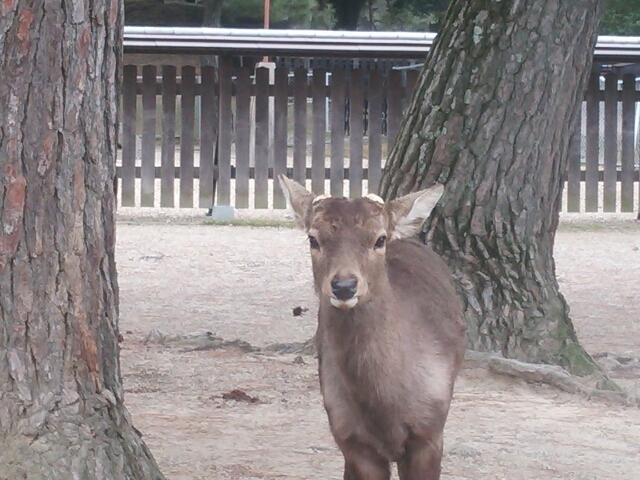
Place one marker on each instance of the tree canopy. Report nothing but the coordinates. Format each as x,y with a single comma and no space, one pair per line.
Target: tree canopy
234,13
621,17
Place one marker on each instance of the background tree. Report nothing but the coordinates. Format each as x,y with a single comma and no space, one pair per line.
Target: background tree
492,117
412,15
61,398
229,13
284,14
163,14
621,17
212,13
347,13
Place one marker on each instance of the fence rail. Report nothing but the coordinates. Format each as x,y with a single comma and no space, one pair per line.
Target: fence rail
195,135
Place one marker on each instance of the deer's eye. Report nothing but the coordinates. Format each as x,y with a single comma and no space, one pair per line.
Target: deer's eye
313,243
380,242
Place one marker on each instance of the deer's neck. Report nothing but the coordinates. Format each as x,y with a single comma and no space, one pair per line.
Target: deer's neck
365,344
368,323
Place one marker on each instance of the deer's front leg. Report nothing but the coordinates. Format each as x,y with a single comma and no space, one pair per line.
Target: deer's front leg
422,460
363,463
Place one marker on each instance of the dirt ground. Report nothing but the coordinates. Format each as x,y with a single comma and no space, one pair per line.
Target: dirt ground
243,282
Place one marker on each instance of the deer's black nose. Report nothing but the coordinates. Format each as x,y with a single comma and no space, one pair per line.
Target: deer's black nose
344,288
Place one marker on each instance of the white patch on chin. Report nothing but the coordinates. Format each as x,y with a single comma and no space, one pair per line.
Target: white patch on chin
344,304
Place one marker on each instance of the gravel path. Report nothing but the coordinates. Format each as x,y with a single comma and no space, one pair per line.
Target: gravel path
243,282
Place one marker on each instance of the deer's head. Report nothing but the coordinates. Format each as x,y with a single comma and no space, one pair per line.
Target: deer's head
348,238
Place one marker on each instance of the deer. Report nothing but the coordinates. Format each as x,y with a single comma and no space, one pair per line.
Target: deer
390,336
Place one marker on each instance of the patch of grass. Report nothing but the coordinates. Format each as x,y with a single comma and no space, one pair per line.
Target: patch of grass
203,220
252,222
600,225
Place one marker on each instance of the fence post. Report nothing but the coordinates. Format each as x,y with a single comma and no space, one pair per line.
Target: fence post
593,143
225,120
128,171
208,135
338,97
280,136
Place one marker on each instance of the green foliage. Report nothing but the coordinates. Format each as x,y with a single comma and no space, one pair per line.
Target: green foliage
284,14
161,14
621,17
235,13
413,15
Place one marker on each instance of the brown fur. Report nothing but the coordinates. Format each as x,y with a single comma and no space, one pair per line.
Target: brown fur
388,364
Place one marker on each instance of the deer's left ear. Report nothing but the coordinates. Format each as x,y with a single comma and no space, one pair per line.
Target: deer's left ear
298,198
408,213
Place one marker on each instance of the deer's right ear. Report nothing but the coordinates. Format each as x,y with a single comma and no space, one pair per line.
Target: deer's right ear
298,198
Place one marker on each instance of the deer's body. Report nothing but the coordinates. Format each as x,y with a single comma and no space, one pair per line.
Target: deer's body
387,368
390,334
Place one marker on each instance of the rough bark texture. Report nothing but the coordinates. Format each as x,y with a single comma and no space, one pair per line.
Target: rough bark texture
491,118
61,396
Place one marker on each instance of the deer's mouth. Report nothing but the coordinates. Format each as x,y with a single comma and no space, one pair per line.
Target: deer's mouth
344,304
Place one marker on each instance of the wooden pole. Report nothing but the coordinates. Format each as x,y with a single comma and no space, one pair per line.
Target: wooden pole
267,15
267,8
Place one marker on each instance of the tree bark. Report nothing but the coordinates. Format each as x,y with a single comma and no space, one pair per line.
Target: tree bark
61,397
212,13
491,118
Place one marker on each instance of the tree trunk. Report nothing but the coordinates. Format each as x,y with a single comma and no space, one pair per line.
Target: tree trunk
347,13
61,398
492,118
212,13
